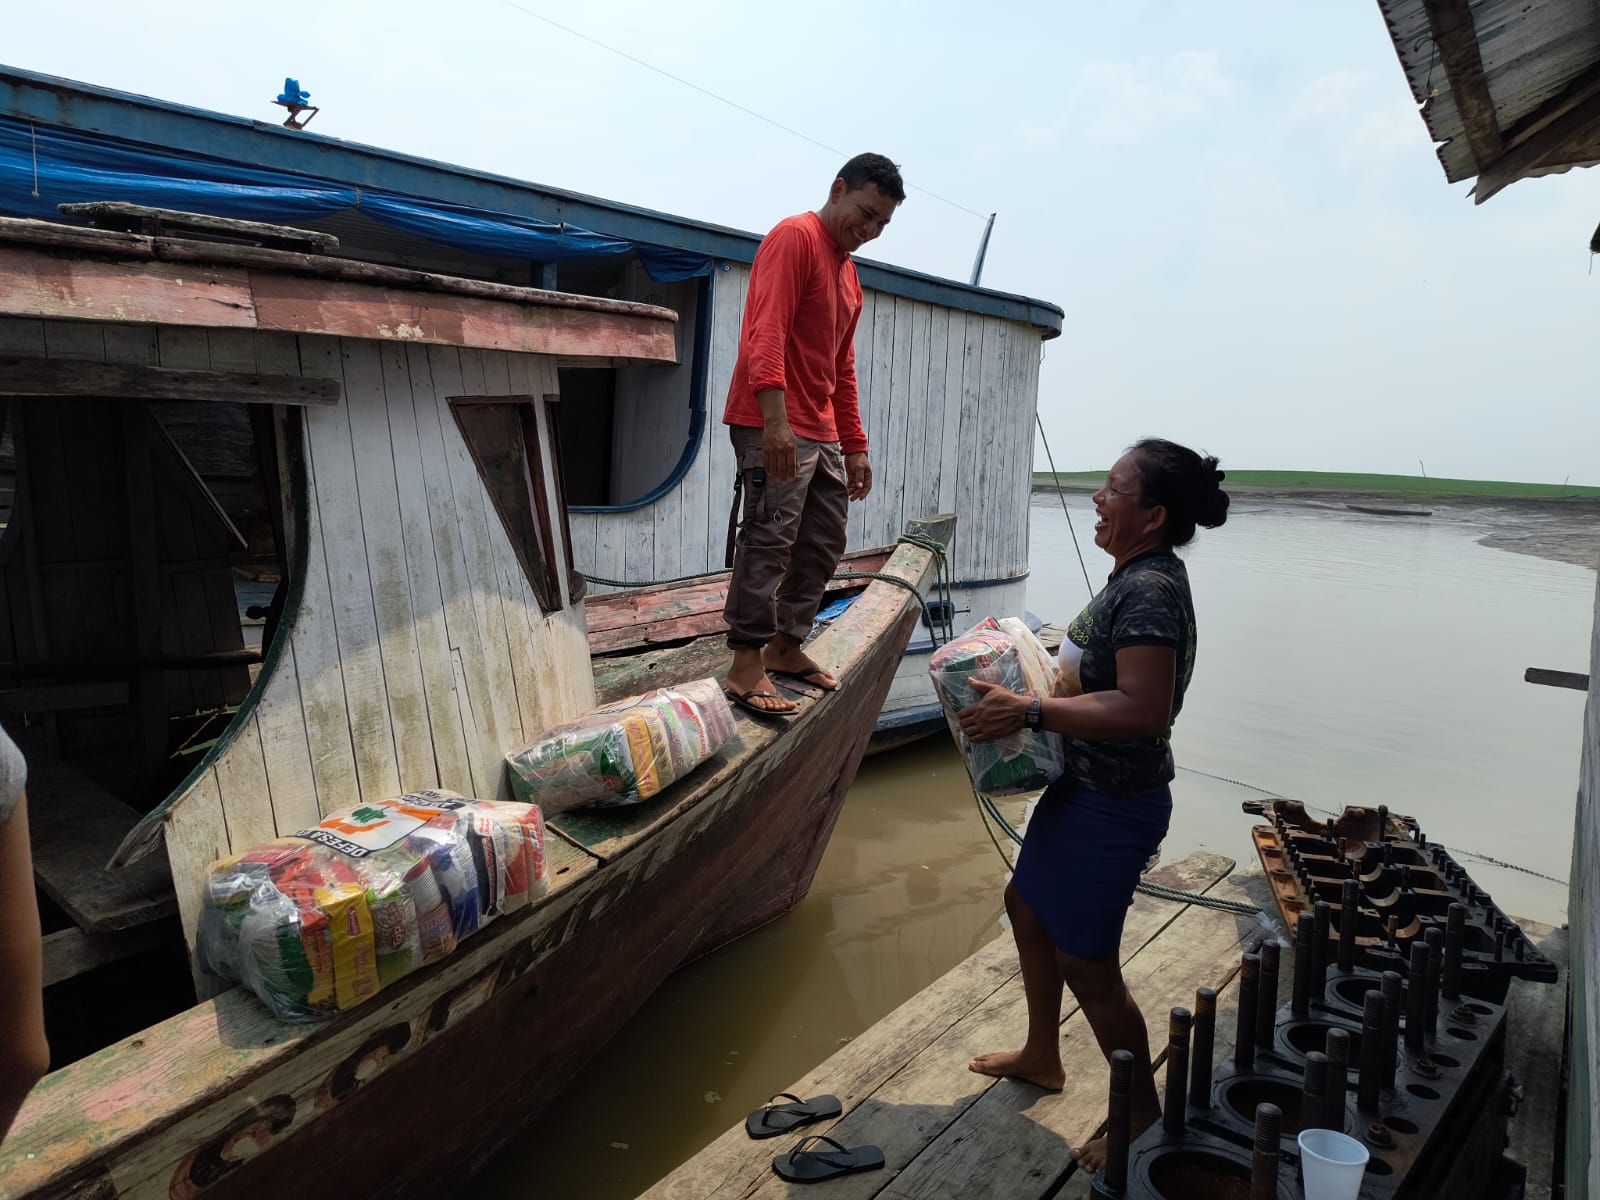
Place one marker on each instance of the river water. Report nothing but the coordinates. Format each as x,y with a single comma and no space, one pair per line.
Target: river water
1342,659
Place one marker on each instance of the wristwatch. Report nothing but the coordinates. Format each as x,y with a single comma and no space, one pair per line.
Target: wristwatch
1034,717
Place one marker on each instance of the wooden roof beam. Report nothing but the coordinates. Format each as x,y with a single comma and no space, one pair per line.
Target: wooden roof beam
1569,118
1455,37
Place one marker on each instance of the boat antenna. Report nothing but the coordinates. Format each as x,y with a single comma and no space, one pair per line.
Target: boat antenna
294,97
983,248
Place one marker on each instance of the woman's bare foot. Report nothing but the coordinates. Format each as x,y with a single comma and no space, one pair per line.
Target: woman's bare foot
1014,1064
1091,1156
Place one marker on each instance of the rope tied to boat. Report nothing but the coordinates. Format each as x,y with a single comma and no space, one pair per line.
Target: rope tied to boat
942,622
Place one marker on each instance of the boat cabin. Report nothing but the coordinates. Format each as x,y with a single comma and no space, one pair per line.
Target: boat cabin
279,530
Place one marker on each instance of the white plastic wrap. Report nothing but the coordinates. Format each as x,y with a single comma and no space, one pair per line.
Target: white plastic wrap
624,752
320,921
1025,761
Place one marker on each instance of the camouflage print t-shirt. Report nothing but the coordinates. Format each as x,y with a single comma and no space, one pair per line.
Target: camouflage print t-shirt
1146,603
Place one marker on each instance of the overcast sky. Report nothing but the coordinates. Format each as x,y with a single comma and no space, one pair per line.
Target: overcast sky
1236,204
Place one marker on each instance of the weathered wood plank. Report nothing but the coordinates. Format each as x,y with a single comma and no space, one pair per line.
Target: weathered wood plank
110,244
992,413
75,826
388,572
914,1062
1583,918
498,723
134,345
903,395
457,614
967,562
53,377
1033,1134
242,785
485,374
1536,1016
69,953
35,283
856,529
379,313
318,676
1561,679
331,452
422,573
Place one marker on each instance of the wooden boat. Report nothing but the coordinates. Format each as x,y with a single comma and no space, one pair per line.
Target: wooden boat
1375,510
949,373
424,620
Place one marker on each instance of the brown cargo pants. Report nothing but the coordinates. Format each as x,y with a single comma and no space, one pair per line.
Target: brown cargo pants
791,537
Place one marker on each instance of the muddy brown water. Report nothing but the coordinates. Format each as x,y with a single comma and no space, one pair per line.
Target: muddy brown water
1342,659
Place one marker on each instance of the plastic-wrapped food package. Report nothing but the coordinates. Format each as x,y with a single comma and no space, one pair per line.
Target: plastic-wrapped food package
624,752
1025,761
1039,666
321,920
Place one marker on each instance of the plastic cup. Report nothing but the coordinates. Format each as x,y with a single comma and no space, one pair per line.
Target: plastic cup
1331,1164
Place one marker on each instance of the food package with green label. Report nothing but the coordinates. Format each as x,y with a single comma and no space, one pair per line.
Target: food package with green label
624,752
1026,760
322,920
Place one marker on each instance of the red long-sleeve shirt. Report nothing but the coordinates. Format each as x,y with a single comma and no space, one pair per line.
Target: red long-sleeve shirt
799,335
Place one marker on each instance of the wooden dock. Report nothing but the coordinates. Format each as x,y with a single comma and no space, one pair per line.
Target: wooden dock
944,1131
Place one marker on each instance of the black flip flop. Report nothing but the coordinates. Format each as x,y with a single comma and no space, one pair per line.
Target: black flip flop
742,700
773,1119
805,677
804,1165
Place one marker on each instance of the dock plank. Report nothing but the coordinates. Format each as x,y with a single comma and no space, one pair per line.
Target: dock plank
1017,1142
1535,1024
904,1081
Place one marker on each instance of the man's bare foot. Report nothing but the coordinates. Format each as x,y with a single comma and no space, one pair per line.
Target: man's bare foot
784,654
1091,1156
1011,1064
747,679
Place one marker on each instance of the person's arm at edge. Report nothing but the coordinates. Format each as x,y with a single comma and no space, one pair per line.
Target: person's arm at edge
24,1052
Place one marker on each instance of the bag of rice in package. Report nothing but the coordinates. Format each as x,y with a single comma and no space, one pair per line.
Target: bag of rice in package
319,921
624,752
1025,761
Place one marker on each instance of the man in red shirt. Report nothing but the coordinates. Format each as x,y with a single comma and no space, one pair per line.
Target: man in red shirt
796,427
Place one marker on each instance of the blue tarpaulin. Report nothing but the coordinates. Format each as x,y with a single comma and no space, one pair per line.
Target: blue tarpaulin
42,166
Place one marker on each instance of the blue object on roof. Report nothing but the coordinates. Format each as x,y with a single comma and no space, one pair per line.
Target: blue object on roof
43,166
292,94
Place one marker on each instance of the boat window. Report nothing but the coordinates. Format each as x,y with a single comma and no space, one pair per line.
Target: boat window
502,432
630,433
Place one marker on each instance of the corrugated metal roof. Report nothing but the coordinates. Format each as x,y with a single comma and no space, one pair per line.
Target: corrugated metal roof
1531,50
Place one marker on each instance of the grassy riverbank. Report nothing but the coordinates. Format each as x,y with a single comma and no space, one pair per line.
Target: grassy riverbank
1352,484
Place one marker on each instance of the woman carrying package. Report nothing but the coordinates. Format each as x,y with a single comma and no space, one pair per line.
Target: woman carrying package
1125,664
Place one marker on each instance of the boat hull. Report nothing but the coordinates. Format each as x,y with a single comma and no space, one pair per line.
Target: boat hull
411,1093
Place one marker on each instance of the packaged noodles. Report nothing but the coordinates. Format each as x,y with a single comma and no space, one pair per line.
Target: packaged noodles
1008,654
624,752
322,920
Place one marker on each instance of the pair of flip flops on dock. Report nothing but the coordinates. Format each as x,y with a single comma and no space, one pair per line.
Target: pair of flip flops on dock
744,700
806,1163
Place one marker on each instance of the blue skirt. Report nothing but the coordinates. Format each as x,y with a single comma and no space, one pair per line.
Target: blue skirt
1081,859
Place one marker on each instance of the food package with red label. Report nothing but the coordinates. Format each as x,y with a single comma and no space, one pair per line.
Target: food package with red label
322,920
